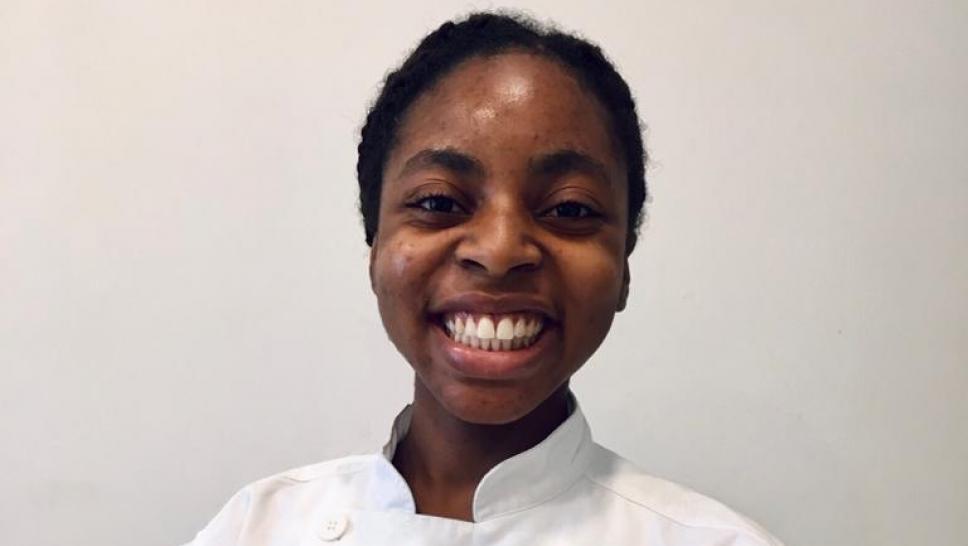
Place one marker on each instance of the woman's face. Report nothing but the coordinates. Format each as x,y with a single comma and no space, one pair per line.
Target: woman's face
499,261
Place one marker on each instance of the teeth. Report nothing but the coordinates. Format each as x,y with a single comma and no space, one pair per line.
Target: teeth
505,329
532,328
485,328
520,328
508,334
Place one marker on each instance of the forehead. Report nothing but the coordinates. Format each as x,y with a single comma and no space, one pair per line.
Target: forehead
513,101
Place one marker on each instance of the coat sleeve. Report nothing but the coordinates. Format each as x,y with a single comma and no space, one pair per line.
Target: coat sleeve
226,527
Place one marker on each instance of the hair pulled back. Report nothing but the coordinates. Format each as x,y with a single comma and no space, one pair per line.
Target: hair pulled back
485,34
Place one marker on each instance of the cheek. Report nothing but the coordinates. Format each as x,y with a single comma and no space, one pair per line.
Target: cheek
594,287
393,282
394,273
403,268
391,268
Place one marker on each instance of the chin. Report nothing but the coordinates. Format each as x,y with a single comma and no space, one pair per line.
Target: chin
487,404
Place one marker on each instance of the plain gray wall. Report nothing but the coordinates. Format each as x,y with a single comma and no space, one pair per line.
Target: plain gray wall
184,305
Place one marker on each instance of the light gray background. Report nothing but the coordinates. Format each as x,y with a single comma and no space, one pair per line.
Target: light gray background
184,305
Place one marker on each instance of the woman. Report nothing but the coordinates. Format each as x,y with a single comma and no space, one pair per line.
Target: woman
501,177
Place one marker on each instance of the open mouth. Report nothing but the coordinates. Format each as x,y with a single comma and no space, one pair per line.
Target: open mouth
493,332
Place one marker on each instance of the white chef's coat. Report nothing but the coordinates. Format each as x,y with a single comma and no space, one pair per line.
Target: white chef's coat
566,490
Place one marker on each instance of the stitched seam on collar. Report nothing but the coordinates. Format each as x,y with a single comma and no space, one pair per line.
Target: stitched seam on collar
535,504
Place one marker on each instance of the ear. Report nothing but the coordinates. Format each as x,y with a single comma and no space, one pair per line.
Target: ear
624,295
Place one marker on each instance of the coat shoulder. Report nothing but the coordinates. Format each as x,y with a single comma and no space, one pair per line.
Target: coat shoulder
330,468
678,504
315,482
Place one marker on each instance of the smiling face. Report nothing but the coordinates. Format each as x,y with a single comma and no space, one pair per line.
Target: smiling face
499,261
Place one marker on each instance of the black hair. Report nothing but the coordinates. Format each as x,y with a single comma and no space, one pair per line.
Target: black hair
485,34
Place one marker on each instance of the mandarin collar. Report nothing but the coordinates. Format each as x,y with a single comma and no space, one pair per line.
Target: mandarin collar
517,483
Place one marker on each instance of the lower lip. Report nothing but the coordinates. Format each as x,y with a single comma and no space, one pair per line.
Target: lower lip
495,365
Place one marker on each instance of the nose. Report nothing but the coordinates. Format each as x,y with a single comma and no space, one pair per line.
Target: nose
498,241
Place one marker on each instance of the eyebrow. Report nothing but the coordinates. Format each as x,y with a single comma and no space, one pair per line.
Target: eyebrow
447,158
551,164
562,162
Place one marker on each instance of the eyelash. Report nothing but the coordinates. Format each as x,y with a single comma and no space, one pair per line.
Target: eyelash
418,203
586,212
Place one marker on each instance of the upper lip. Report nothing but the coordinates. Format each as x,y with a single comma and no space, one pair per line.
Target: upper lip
496,304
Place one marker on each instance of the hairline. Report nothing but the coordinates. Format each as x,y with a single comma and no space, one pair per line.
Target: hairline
537,50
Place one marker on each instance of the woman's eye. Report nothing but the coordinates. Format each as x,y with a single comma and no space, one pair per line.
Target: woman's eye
437,203
571,209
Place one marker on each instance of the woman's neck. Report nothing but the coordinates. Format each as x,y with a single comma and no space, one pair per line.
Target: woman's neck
443,458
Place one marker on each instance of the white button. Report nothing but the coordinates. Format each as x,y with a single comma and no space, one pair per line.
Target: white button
333,528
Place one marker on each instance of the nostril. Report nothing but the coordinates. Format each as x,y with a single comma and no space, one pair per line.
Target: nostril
529,266
499,269
498,243
472,264
499,264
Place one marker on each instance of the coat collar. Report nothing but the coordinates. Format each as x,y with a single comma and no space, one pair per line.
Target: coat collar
520,482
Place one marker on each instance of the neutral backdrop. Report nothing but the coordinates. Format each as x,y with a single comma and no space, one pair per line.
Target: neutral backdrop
184,305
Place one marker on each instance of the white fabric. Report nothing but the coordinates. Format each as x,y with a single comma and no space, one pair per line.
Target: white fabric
566,490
